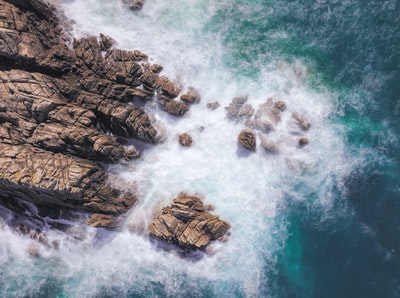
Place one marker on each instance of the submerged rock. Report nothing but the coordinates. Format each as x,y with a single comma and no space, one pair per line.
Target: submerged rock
301,121
269,146
238,110
187,224
134,4
213,105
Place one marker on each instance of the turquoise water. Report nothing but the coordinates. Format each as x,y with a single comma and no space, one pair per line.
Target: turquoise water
325,226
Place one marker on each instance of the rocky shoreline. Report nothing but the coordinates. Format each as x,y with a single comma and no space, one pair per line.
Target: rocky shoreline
68,106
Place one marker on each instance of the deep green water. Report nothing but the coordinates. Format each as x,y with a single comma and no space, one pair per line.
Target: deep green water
355,49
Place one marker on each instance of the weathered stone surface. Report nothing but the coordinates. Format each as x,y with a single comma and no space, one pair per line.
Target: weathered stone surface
192,96
268,115
58,180
33,39
185,140
187,224
33,111
247,139
173,107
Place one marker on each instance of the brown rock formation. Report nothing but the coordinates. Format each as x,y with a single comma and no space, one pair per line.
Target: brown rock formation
247,139
192,96
185,140
63,110
187,224
58,180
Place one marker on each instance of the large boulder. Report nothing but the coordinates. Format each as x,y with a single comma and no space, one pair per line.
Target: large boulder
247,139
188,224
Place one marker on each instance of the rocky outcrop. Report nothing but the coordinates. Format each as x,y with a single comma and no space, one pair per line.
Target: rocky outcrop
188,224
247,139
31,38
301,121
64,109
57,180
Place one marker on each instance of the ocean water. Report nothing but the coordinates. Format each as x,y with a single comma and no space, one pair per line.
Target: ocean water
318,221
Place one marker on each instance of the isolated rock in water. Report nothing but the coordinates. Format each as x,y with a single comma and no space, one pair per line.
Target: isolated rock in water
247,139
134,4
187,224
213,105
32,40
303,142
185,140
192,96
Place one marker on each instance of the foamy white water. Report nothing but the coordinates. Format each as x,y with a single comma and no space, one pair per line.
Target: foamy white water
247,189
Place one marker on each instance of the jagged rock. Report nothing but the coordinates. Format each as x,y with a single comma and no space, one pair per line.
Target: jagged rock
192,96
58,180
134,4
247,139
238,110
185,140
213,105
111,90
64,109
154,68
167,87
33,40
187,224
106,42
173,107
